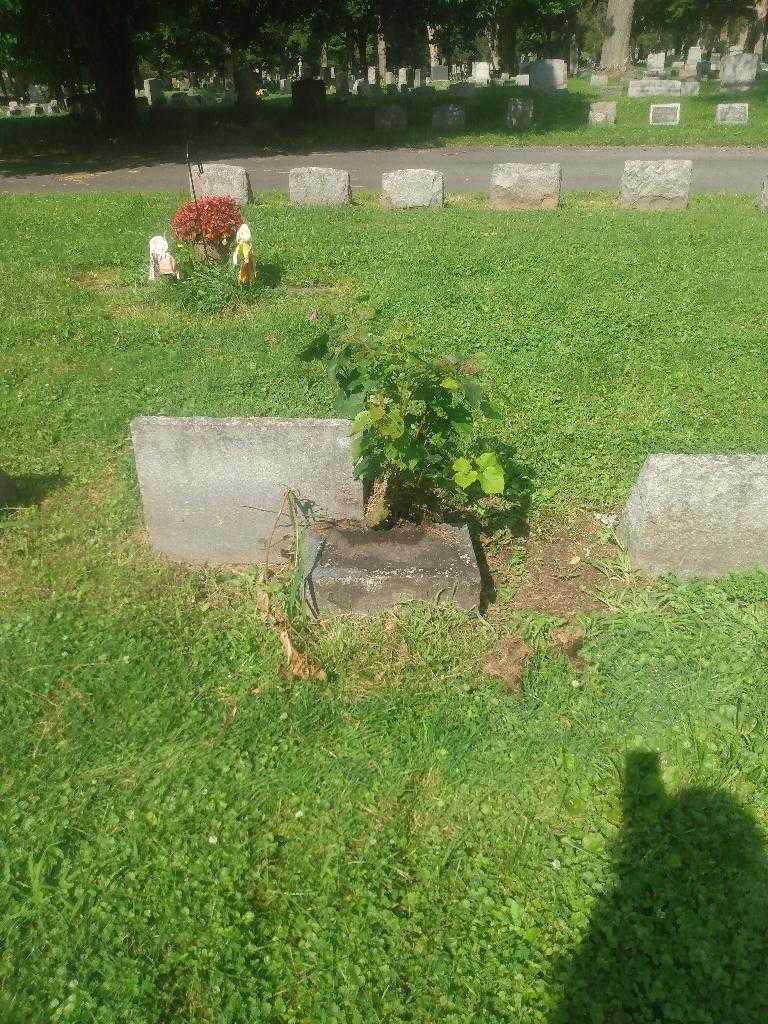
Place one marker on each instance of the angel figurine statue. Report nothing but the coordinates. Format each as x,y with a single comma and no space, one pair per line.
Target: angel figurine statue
161,263
242,257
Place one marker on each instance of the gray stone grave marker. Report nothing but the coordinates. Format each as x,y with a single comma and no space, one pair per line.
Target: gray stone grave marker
411,188
739,71
212,488
525,186
440,73
732,113
599,81
221,180
319,186
664,113
548,75
698,515
602,113
656,184
639,87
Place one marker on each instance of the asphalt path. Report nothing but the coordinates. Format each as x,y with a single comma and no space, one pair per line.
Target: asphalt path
465,170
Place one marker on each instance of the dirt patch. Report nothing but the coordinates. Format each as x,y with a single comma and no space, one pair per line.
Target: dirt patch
562,573
99,280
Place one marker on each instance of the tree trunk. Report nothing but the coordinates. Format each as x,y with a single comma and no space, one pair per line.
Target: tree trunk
755,41
508,41
362,51
615,54
113,79
492,36
434,56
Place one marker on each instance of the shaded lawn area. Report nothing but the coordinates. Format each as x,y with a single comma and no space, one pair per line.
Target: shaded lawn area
46,144
187,835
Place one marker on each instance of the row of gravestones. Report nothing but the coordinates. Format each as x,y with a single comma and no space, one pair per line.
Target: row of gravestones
645,184
725,113
16,109
737,70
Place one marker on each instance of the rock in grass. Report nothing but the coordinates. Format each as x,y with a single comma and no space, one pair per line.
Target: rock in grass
405,190
526,186
349,569
656,184
698,515
319,186
221,180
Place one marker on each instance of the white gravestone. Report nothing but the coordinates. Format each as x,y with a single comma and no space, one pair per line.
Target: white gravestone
664,113
212,489
739,71
481,72
732,113
656,184
319,186
698,516
525,186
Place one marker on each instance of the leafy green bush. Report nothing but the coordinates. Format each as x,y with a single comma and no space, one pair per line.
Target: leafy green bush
415,421
210,287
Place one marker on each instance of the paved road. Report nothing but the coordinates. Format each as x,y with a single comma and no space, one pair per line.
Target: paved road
466,170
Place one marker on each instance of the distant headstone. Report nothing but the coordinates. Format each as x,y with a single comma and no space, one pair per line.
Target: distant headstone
319,186
694,56
285,86
14,110
690,88
222,180
732,113
762,196
698,516
52,106
664,113
481,72
417,78
349,569
602,113
523,81
212,489
408,189
519,114
739,71
308,95
525,186
656,184
405,76
440,73
389,78
548,75
715,63
449,117
372,79
35,109
655,63
153,90
342,83
599,80
391,117
639,87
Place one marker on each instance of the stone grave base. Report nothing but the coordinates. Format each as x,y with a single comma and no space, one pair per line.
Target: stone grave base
350,569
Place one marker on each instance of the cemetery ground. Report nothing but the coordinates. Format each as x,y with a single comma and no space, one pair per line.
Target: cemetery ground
190,833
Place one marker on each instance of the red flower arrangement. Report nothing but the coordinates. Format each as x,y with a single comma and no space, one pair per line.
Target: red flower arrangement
213,219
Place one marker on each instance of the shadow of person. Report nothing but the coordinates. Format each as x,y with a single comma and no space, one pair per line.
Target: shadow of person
683,936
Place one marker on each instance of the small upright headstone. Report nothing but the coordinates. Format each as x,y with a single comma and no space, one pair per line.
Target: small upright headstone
739,71
655,63
732,113
35,109
602,113
599,80
523,81
221,180
52,106
715,63
656,184
449,117
415,187
319,186
213,490
391,117
548,75
698,516
14,110
389,78
481,72
440,73
526,186
372,79
694,57
153,90
417,78
519,114
664,113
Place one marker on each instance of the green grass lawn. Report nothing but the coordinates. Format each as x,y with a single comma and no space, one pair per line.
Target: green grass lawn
187,835
559,120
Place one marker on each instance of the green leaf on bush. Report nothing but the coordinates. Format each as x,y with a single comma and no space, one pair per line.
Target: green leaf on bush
463,473
491,473
450,384
362,421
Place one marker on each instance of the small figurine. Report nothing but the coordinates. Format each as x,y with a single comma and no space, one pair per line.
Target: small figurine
242,257
161,262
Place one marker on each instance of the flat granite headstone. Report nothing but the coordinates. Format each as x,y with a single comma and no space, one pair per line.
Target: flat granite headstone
739,71
664,113
319,186
440,73
353,570
698,515
639,87
656,184
602,113
449,117
526,186
548,75
411,188
391,117
221,180
732,113
519,114
212,488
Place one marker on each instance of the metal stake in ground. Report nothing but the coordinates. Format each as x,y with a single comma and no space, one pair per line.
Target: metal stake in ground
194,199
